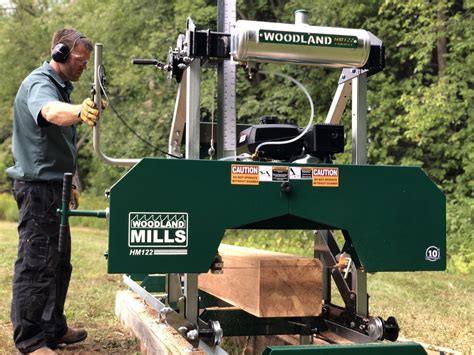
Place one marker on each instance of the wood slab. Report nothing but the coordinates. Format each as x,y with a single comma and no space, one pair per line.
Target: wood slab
265,283
155,337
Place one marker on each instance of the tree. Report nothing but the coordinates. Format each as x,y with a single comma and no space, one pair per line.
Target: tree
420,105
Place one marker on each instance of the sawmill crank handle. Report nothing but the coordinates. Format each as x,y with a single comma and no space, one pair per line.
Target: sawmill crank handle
139,61
65,213
154,62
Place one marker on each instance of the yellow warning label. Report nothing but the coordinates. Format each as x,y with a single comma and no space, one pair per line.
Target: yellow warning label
326,177
244,174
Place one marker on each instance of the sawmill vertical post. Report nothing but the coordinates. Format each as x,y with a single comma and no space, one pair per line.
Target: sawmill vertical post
320,248
359,119
191,295
193,99
359,156
226,83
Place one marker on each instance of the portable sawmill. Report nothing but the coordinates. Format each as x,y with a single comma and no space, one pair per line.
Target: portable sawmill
167,217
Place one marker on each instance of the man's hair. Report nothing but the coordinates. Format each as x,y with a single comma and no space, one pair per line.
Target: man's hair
70,37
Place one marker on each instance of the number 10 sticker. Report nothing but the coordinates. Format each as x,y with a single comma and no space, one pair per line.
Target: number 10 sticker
432,254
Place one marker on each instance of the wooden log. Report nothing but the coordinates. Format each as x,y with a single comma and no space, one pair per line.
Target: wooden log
154,337
267,284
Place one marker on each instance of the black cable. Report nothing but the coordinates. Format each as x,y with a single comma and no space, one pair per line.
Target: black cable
131,129
138,136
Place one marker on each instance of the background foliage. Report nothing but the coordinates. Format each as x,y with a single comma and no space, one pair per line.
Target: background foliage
421,105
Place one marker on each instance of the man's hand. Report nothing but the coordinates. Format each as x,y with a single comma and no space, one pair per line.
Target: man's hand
89,113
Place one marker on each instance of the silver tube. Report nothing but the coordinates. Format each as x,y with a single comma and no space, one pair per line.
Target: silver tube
301,17
253,41
98,102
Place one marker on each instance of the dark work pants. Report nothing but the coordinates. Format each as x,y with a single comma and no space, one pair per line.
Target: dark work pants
41,276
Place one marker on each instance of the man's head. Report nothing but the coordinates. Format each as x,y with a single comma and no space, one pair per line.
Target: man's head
71,52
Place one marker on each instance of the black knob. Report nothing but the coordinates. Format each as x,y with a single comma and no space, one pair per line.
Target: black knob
391,329
217,265
286,187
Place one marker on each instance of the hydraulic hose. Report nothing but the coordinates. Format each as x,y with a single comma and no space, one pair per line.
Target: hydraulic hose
310,120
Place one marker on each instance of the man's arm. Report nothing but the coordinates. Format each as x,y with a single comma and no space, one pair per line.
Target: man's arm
61,113
64,114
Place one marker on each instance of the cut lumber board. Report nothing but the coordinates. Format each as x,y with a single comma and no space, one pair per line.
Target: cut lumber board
267,284
142,320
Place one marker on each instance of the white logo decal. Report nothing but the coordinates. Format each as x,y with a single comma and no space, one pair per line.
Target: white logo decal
165,232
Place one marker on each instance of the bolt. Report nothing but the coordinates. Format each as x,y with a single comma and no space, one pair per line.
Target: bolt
182,299
353,71
192,334
343,76
163,312
352,324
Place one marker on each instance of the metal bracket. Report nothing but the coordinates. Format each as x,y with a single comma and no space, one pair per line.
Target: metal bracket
325,249
339,102
179,119
350,73
349,334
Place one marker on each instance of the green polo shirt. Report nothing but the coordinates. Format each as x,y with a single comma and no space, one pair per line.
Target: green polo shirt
43,151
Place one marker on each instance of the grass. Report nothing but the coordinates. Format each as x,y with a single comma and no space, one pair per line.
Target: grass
431,307
91,294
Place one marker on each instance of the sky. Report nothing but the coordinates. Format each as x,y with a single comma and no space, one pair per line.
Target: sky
5,3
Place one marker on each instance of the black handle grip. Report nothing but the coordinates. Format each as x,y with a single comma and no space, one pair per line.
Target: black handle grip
67,184
63,234
64,227
138,61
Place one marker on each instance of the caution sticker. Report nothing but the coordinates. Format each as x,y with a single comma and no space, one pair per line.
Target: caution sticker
244,174
326,177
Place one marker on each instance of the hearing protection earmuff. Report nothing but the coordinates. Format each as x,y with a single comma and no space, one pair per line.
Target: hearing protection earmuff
61,51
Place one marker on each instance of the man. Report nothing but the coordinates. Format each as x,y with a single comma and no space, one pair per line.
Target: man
44,138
